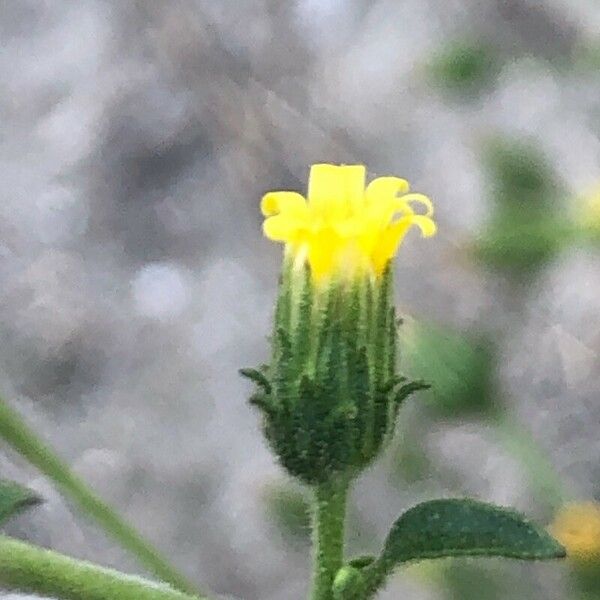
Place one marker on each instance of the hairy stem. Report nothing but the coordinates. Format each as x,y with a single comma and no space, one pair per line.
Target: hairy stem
328,537
21,438
29,569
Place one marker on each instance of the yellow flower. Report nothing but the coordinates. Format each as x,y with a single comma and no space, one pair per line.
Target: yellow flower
588,213
577,528
345,228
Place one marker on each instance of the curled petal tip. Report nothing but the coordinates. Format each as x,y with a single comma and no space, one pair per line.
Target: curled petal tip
420,199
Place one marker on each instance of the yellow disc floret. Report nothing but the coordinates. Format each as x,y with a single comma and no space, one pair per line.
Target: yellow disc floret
344,228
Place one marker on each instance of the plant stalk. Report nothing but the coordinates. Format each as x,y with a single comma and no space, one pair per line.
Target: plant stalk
15,432
29,569
328,536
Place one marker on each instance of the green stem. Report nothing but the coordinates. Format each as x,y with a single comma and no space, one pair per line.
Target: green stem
328,536
21,438
28,569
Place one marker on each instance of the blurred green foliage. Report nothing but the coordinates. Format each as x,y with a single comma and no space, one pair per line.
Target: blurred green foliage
586,580
519,174
463,67
527,226
521,241
586,57
459,367
288,506
411,463
472,579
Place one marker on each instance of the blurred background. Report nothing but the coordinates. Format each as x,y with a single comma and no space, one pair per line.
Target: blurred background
136,139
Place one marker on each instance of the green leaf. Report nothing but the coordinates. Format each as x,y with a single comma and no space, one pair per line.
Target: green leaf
457,527
14,498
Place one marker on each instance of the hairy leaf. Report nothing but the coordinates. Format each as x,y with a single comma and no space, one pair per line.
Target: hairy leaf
456,527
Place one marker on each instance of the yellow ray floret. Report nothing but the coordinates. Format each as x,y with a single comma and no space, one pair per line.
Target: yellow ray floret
344,227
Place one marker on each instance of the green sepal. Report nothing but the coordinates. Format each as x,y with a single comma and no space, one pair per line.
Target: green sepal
262,402
301,326
409,388
392,344
388,386
360,389
15,498
257,377
304,458
282,367
383,344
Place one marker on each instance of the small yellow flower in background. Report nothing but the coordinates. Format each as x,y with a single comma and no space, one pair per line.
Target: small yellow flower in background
577,528
344,227
588,212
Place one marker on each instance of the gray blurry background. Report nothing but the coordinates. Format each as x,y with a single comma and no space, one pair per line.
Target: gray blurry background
136,139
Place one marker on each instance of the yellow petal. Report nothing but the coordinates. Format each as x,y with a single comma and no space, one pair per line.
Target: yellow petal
351,227
322,252
388,242
274,203
383,201
421,199
334,189
424,223
353,177
384,188
281,228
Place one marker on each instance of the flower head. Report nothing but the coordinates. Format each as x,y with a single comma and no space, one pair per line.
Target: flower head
342,227
331,392
577,528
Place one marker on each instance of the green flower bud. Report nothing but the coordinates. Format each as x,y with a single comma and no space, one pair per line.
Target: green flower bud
349,584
